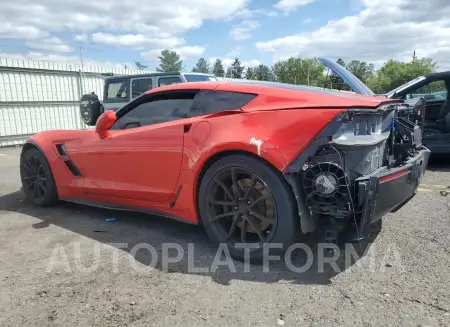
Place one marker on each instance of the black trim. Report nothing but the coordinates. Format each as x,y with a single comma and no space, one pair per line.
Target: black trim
73,169
61,150
172,204
111,206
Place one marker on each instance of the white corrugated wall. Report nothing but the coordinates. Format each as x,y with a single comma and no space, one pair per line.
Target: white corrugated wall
37,96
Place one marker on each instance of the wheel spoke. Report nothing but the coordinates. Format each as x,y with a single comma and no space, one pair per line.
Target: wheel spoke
244,231
223,215
222,203
261,198
32,184
28,177
235,182
227,190
27,166
254,226
36,190
261,217
252,186
42,187
233,226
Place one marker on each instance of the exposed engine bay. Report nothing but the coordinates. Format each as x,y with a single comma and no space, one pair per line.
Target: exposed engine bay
334,180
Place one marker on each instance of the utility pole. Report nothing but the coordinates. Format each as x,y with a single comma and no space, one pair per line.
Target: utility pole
81,59
414,56
81,72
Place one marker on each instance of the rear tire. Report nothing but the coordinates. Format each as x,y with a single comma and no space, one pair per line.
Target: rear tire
242,199
37,178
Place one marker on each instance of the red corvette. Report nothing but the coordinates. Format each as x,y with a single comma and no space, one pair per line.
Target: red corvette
252,162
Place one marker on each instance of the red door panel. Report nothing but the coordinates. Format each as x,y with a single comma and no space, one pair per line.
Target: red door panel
141,163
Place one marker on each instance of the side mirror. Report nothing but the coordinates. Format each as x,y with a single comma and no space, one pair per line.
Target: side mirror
104,122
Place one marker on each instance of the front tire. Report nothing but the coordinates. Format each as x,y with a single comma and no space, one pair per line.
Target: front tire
243,200
37,178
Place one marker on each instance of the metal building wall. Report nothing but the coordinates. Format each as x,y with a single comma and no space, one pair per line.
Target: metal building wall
38,96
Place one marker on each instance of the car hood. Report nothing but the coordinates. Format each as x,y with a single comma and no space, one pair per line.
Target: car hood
354,82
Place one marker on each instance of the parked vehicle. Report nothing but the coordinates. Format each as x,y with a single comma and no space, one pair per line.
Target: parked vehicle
253,162
119,90
433,88
436,128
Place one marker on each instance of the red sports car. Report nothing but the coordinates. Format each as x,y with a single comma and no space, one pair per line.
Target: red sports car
252,162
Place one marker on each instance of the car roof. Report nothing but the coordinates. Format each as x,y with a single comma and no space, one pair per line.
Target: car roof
281,93
157,74
251,86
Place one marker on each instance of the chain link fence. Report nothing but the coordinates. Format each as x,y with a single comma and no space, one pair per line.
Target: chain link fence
39,96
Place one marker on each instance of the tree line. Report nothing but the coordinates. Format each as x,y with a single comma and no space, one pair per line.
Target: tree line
308,71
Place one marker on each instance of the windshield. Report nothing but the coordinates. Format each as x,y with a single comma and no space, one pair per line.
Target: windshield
199,78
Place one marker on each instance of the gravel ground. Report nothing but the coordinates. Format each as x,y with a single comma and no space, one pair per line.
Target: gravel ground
66,266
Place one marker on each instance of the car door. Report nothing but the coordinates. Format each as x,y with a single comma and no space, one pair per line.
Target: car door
141,159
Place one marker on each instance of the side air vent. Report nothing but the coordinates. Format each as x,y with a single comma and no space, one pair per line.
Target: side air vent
74,170
61,150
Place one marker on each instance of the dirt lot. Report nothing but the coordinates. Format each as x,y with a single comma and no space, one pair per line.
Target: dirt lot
66,266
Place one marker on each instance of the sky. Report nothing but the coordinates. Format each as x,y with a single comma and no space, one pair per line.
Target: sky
121,32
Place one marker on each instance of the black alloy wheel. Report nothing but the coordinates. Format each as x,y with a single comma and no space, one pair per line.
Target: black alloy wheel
244,200
37,179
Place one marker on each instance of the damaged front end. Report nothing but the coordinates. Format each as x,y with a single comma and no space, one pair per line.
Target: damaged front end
364,164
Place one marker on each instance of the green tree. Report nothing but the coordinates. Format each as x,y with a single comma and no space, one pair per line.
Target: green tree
218,68
201,66
249,73
140,66
169,61
236,69
361,69
395,73
262,73
299,71
336,82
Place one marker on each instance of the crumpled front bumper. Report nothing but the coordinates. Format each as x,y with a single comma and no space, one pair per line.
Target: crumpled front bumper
387,189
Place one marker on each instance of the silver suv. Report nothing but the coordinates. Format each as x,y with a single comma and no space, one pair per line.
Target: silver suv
119,90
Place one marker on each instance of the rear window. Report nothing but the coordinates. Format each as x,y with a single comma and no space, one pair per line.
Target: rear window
118,91
199,78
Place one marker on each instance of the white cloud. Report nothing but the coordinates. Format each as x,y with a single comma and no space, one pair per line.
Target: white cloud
184,52
81,37
246,13
175,16
156,24
234,52
135,40
376,34
243,30
51,44
288,6
9,30
307,20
